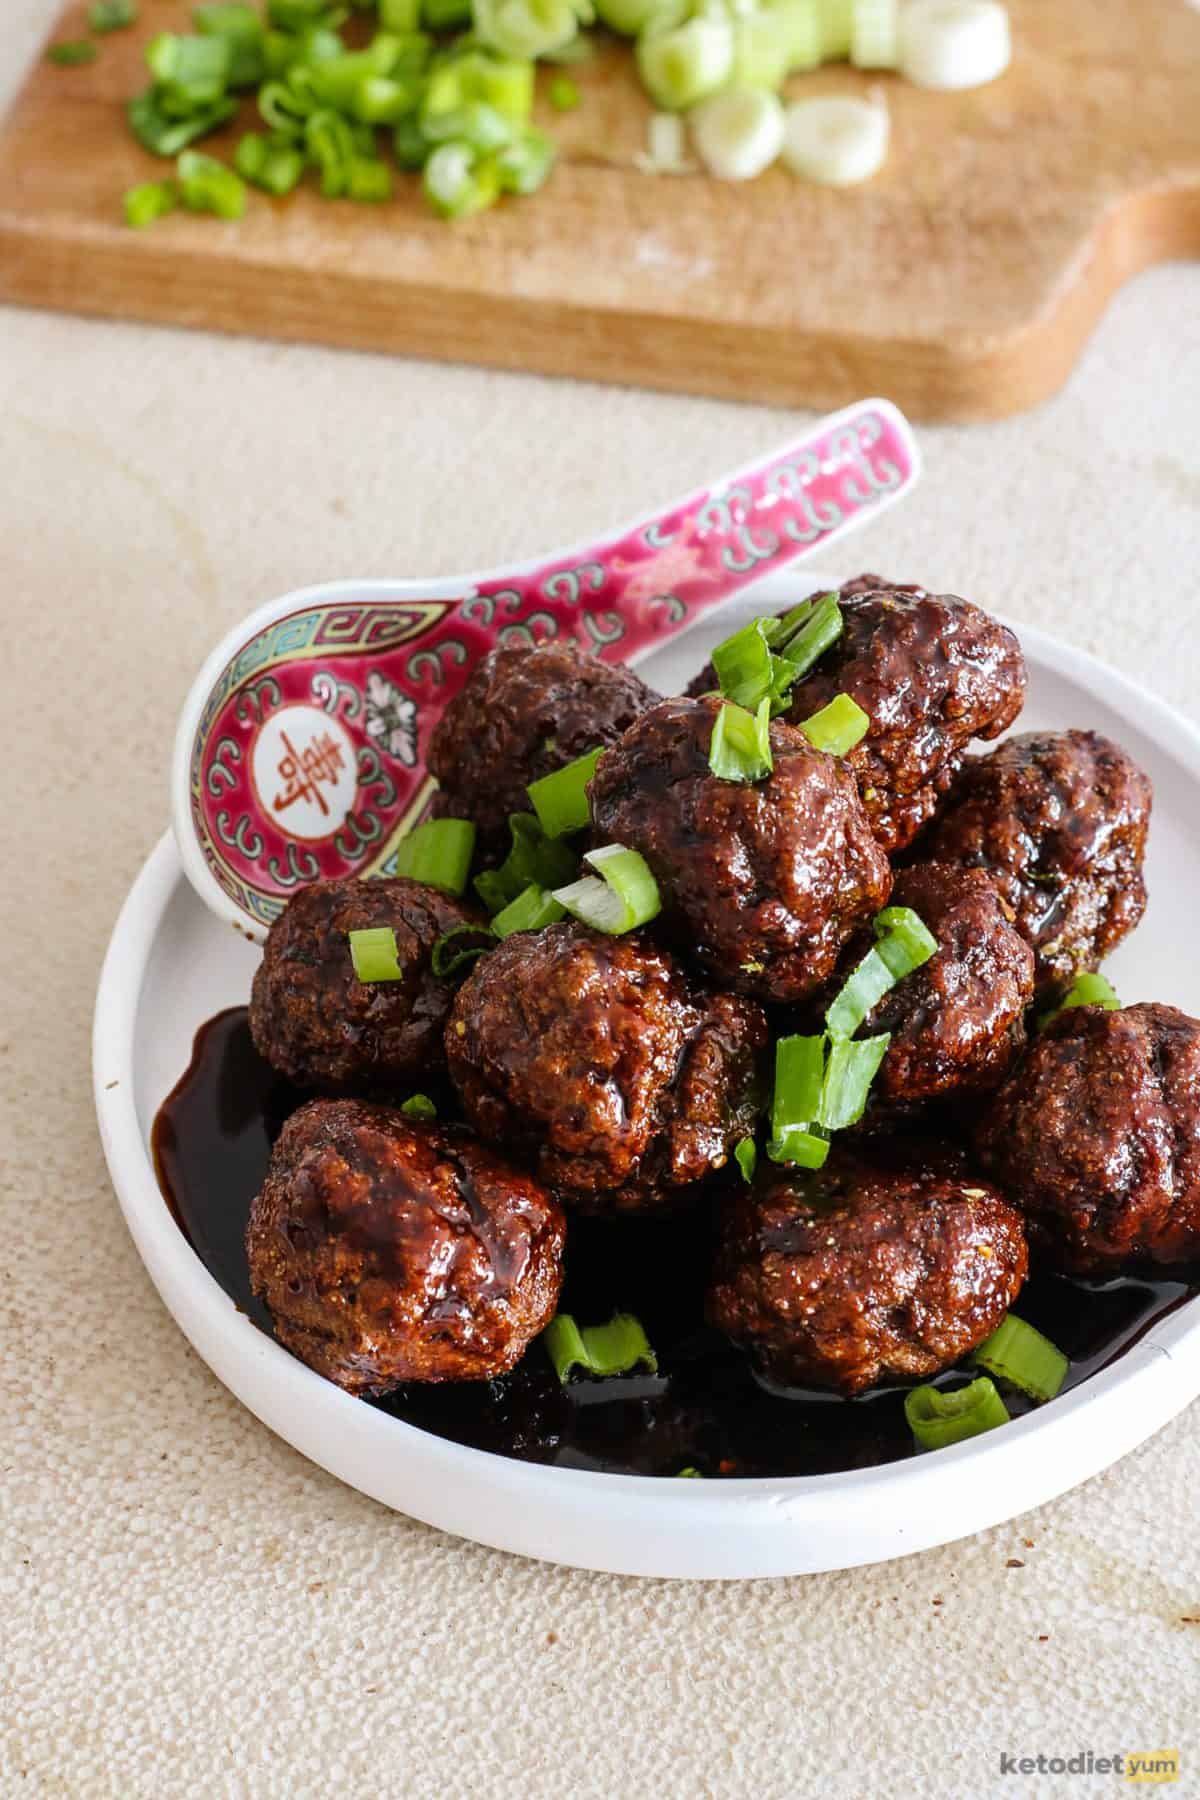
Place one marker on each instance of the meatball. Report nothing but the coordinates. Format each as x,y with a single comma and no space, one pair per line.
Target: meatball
1097,1137
763,881
390,1251
317,1023
958,1021
1058,819
597,1056
852,1274
523,714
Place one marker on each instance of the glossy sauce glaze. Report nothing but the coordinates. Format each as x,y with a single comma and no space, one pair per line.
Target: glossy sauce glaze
704,1409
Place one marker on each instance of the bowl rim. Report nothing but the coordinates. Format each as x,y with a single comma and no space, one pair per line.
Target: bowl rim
629,1524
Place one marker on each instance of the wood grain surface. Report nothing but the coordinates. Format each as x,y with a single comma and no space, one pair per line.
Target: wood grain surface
962,281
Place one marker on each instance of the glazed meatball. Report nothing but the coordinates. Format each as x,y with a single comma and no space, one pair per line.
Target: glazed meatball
765,881
958,1021
523,714
1058,820
390,1251
852,1274
598,1057
1096,1135
313,1019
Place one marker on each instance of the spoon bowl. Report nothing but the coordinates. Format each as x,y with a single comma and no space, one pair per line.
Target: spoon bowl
300,751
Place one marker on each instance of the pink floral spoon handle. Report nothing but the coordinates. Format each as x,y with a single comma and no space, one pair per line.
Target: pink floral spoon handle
301,747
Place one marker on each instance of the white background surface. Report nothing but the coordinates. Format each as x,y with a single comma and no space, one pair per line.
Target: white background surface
186,1607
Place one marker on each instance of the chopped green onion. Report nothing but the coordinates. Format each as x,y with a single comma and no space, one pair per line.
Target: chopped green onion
740,747
622,895
1085,990
534,860
148,201
410,146
837,727
743,665
797,1145
688,1474
799,1075
875,34
402,16
445,15
905,941
937,1418
799,26
111,15
330,142
527,29
368,179
243,30
374,954
458,182
419,1106
849,1071
477,125
206,185
163,135
504,84
761,54
191,72
811,636
1018,1354
612,1349
438,852
837,27
283,110
631,17
532,910
682,64
523,165
72,54
446,961
276,168
560,800
564,94
746,1158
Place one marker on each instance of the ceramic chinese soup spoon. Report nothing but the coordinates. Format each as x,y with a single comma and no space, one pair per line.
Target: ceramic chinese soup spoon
300,753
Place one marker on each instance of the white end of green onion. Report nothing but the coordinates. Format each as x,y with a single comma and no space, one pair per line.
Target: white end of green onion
954,43
738,134
875,34
666,147
836,140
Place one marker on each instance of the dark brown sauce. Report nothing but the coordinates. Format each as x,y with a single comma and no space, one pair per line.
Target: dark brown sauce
704,1409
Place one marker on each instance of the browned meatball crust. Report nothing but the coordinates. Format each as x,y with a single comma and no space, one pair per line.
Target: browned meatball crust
852,1274
313,1019
958,1021
596,1055
523,714
1058,819
1096,1135
390,1251
931,672
765,881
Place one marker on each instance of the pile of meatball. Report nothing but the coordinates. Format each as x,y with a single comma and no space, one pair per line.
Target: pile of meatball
579,1073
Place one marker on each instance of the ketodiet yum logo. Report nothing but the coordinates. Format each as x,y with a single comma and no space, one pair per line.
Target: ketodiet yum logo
1127,1765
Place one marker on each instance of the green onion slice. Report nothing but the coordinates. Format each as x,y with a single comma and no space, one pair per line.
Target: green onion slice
532,910
612,1349
164,135
746,1158
837,727
799,1146
743,665
446,960
438,852
534,860
1018,1354
849,1071
564,94
740,747
905,942
560,800
207,186
374,954
688,1474
276,168
622,894
809,637
73,53
111,15
937,1418
148,201
419,1106
799,1077
1085,990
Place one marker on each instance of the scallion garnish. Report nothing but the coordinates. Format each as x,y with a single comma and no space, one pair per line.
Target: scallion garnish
1018,1354
837,727
1086,990
459,181
904,943
746,1157
438,853
937,1417
564,94
560,800
419,1106
374,954
148,201
850,1068
688,1474
811,635
740,746
72,53
799,1076
111,15
743,665
276,168
207,186
533,860
450,953
619,897
532,910
612,1349
682,63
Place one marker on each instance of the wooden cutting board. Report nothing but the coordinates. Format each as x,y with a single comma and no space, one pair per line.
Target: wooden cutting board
961,282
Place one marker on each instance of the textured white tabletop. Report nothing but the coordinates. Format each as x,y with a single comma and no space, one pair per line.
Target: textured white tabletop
187,1608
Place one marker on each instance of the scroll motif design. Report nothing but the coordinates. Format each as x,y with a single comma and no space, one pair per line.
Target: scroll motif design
358,832
219,779
430,663
332,693
297,866
568,585
251,704
240,837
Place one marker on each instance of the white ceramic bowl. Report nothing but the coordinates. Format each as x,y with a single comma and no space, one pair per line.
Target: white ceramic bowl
171,965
